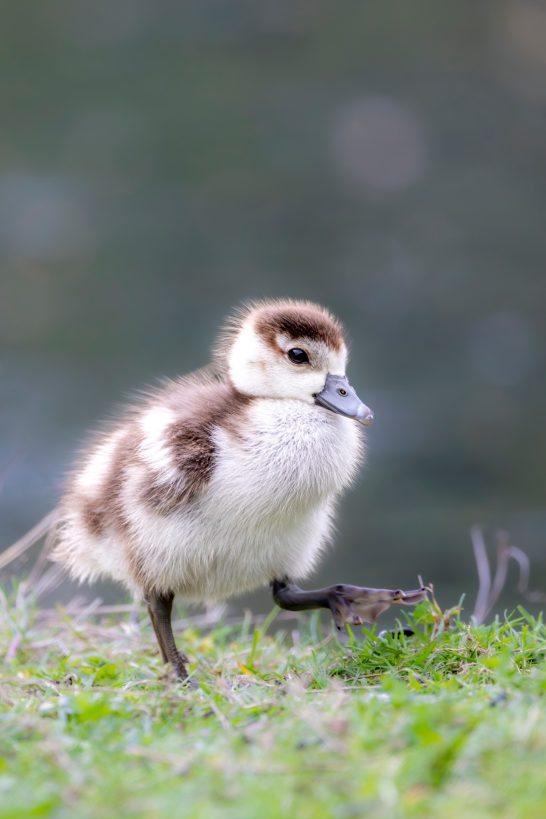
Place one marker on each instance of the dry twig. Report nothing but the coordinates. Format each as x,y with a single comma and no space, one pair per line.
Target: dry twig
490,588
27,541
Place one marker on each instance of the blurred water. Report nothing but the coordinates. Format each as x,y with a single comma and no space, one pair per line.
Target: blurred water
161,163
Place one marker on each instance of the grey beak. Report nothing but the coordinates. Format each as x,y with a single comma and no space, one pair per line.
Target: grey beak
338,396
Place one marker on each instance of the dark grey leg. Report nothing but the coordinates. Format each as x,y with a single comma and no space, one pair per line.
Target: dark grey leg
349,604
157,634
160,609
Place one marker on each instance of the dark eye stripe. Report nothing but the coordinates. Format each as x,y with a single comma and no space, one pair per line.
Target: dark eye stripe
298,356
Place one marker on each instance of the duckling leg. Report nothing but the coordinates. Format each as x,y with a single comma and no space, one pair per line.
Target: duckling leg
349,604
157,634
160,610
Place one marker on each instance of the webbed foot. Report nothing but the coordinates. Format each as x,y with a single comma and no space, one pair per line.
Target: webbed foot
352,605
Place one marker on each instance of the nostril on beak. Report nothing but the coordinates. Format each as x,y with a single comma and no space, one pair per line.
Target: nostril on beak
365,415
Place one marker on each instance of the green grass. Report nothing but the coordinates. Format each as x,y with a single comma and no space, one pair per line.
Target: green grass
288,723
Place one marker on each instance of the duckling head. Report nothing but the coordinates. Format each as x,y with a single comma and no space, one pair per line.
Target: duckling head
291,350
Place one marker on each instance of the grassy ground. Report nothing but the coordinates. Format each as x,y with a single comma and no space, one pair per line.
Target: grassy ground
288,723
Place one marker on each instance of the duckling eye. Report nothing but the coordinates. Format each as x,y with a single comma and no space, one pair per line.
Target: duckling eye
298,356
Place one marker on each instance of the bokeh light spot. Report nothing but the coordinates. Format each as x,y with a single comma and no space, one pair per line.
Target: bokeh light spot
379,143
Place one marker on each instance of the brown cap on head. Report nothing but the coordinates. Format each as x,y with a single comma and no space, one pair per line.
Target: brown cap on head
298,319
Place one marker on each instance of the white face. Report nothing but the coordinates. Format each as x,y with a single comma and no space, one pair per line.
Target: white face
257,368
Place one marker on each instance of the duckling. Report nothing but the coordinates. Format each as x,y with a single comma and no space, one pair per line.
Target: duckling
225,480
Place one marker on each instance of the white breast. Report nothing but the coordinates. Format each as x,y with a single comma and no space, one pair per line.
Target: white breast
266,512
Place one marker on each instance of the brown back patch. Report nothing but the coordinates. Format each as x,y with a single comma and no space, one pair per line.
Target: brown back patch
201,406
191,439
299,320
105,510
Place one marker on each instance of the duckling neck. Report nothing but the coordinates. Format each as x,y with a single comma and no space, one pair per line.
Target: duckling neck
300,446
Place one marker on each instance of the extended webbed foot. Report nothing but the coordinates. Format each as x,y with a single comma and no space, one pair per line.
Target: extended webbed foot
352,605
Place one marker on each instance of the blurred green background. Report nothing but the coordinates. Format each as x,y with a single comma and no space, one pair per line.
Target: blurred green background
161,162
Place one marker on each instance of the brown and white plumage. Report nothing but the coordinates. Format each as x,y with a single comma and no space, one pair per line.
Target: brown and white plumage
225,480
219,481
